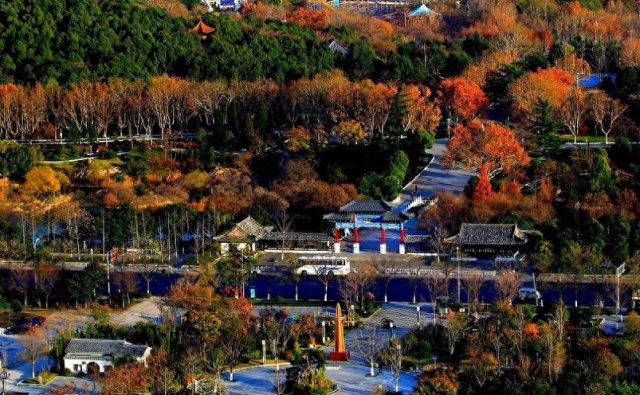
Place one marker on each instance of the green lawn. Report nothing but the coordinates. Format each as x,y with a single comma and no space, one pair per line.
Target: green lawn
43,378
583,138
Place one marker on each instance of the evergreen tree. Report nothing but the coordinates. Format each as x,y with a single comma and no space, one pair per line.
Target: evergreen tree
593,234
619,233
601,179
363,58
262,120
546,126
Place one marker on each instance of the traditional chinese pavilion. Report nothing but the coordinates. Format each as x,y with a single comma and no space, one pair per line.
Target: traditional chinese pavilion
366,214
242,235
202,29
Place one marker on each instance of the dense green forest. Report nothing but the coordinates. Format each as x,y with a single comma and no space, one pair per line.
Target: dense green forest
69,41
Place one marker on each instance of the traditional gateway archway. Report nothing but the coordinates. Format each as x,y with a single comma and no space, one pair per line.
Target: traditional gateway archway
359,214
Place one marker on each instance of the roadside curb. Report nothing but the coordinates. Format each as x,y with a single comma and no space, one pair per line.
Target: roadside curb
262,366
398,198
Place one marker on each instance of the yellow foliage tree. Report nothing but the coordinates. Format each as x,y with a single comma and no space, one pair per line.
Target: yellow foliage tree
42,181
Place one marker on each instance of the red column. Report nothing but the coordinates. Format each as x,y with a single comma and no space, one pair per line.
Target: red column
356,236
336,235
382,236
401,236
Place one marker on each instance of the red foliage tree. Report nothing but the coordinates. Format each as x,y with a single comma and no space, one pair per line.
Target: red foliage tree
462,98
492,144
313,19
483,191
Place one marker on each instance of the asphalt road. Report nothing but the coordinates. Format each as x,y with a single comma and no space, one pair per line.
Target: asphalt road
436,177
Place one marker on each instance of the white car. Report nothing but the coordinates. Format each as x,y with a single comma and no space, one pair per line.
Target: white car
529,293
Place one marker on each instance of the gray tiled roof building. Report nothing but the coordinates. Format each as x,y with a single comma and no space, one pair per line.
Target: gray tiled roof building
490,234
486,240
104,349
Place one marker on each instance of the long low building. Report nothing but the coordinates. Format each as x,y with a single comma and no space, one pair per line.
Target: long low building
489,240
93,356
250,234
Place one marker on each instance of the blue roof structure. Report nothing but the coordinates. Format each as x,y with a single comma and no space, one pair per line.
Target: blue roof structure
592,81
423,10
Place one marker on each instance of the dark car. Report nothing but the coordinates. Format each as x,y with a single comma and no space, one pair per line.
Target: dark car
37,321
387,323
17,329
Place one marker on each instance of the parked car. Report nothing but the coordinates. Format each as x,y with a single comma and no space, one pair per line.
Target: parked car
529,293
387,323
17,329
37,321
265,269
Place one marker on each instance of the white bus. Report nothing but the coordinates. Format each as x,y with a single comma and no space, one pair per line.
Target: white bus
323,264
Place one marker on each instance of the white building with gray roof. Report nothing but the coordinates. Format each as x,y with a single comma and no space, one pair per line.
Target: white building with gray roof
97,355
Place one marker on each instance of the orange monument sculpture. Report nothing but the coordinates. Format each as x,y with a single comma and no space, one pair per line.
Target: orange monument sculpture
339,352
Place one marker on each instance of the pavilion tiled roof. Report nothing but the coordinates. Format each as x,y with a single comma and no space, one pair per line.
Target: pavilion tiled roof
394,217
416,239
202,28
247,229
489,234
337,217
365,206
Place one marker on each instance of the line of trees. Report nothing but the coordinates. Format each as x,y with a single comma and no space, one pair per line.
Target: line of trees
353,110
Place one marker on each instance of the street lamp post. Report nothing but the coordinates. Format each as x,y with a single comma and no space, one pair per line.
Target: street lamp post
418,314
242,254
458,255
391,327
5,376
264,351
399,361
324,332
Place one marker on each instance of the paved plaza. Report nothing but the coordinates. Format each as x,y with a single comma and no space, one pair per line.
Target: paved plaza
349,377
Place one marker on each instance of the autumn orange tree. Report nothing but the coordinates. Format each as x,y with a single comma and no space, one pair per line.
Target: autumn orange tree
491,144
550,85
126,379
462,99
310,18
237,322
482,190
420,113
350,131
42,182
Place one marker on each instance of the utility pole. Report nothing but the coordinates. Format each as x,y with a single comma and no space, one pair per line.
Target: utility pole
535,288
619,271
108,279
458,254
